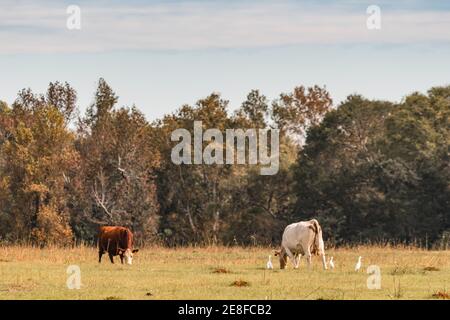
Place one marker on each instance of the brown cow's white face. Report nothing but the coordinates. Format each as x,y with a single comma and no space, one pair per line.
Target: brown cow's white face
128,256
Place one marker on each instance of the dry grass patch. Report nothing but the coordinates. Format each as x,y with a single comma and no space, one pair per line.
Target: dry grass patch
402,270
208,273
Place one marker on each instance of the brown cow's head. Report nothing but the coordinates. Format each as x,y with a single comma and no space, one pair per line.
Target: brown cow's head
128,254
283,258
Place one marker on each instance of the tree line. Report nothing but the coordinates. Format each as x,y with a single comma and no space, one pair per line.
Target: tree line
368,170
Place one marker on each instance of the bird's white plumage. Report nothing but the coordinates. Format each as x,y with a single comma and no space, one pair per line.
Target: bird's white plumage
358,264
269,263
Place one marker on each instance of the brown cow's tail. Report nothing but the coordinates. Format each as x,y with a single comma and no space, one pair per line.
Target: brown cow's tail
99,237
129,239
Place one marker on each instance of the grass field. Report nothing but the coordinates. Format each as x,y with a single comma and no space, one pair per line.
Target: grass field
221,273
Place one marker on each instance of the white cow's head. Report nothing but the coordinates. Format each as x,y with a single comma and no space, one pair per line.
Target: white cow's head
283,258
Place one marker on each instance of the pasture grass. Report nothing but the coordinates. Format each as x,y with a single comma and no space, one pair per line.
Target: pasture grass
222,273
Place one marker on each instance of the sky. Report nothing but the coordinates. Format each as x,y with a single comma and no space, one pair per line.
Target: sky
160,55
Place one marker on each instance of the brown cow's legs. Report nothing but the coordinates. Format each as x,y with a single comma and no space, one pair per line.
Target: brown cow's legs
100,253
111,258
121,258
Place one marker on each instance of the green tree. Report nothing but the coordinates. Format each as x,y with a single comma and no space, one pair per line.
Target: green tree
114,183
373,170
37,151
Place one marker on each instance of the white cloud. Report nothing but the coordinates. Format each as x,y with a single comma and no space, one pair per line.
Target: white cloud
32,28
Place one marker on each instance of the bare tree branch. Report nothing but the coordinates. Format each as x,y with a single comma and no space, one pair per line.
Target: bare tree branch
101,199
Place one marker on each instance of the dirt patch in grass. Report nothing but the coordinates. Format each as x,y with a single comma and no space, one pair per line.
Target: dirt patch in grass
441,295
431,269
221,270
4,260
401,270
240,283
113,298
19,288
325,298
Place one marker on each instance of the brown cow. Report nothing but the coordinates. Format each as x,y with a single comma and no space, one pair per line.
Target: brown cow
116,241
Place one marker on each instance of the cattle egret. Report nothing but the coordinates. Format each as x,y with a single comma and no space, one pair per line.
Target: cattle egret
269,263
358,264
331,263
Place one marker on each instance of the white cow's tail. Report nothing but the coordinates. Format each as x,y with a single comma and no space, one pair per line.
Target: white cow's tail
314,226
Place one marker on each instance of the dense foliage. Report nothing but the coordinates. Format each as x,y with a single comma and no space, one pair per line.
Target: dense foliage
368,170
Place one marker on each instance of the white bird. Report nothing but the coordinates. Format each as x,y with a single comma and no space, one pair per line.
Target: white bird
331,263
358,264
269,263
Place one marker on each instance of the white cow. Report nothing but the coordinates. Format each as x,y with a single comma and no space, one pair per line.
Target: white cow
301,238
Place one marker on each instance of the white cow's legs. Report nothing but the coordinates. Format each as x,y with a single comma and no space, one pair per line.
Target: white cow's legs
297,261
308,258
290,255
324,262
